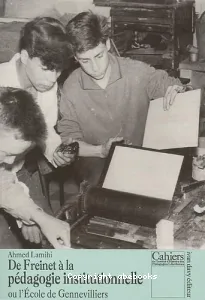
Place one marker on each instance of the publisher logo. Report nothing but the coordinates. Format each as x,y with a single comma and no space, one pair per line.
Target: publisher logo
168,258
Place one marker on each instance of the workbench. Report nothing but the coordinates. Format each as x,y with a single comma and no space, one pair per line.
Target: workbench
102,233
189,228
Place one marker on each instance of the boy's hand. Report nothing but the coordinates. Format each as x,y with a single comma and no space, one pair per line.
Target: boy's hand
31,233
56,231
170,95
65,153
62,159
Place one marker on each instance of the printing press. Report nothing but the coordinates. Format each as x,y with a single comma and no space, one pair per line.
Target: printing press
107,218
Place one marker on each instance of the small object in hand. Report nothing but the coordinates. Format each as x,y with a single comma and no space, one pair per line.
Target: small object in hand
72,148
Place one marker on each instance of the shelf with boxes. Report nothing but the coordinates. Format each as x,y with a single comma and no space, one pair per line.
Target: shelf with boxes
156,32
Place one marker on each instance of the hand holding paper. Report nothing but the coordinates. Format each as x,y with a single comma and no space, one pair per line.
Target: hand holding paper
171,94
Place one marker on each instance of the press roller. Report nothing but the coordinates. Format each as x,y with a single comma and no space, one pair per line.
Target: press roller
124,207
110,219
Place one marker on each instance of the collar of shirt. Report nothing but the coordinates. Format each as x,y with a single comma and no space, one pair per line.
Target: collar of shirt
88,83
15,79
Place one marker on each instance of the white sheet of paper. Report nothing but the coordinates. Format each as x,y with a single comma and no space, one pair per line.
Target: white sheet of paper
143,172
176,128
